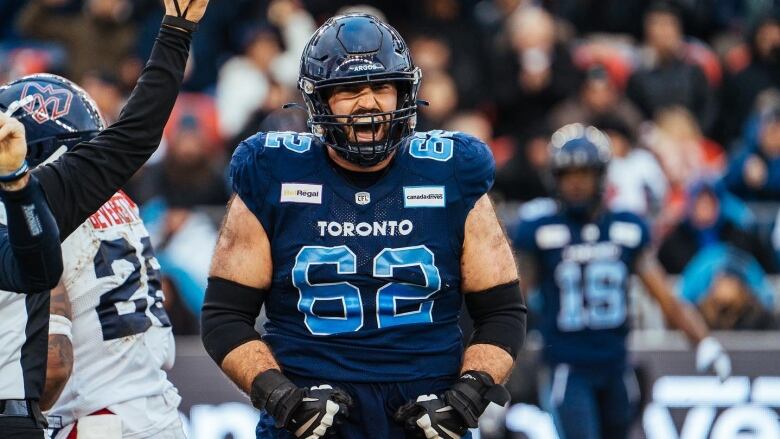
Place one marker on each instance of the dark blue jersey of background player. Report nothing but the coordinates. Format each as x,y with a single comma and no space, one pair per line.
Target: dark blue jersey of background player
361,239
583,271
580,257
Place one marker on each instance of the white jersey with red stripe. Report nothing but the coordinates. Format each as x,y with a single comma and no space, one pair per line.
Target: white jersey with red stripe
122,339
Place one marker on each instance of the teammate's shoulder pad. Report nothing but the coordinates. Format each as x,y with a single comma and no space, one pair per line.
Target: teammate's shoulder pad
531,216
475,167
537,208
471,152
251,168
249,149
276,142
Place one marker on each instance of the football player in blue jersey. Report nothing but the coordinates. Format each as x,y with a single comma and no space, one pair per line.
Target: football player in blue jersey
580,256
361,239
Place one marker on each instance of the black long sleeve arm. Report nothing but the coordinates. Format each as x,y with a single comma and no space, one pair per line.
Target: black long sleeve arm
80,181
30,253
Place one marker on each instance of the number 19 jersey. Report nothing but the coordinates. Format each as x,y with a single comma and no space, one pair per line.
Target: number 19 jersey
366,282
583,273
122,338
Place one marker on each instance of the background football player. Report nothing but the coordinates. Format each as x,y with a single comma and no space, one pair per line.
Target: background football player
361,239
109,302
580,256
51,116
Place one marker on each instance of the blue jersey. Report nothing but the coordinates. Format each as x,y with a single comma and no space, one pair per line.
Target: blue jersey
583,273
366,282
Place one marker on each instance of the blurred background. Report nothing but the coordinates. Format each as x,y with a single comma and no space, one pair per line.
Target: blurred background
688,91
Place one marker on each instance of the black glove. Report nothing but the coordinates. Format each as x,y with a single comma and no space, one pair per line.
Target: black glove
306,413
452,414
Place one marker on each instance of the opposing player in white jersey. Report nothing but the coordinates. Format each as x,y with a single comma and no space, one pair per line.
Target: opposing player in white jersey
122,339
110,339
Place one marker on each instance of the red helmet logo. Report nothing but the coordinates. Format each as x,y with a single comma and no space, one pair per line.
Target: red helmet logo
48,103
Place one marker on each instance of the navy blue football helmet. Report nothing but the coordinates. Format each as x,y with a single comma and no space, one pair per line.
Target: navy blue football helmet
359,49
576,146
56,113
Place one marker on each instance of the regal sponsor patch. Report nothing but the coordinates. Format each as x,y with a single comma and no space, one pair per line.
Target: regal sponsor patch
301,193
424,196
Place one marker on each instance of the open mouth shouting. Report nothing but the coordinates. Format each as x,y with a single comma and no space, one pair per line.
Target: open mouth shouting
368,129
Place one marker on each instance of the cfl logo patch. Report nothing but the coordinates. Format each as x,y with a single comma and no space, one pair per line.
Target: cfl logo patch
362,198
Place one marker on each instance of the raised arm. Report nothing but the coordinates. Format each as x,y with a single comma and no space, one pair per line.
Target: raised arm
83,179
30,253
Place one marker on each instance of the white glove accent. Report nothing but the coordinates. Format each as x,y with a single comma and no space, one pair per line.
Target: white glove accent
331,410
425,423
710,355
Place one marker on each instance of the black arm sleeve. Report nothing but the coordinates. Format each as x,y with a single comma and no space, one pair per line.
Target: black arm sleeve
499,315
30,253
83,179
228,317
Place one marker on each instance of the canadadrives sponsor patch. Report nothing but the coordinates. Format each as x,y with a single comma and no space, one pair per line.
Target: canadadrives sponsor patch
301,193
424,196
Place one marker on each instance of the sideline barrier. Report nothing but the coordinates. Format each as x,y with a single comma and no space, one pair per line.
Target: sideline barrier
681,404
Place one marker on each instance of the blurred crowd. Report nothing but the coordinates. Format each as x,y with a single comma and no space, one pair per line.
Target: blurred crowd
688,92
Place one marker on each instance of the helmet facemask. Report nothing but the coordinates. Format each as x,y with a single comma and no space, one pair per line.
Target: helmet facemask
582,209
49,149
340,130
